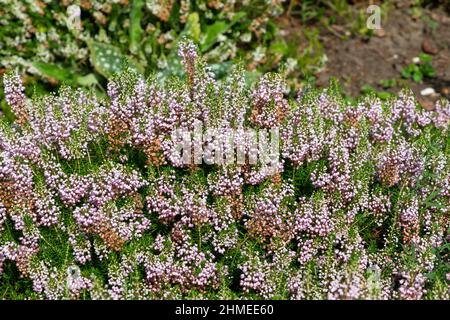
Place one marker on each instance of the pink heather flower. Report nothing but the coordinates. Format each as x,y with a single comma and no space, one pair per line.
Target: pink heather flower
15,94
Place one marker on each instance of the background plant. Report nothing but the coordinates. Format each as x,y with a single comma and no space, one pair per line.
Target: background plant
418,71
83,42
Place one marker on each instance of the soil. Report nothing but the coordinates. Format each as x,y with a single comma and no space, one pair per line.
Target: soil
357,62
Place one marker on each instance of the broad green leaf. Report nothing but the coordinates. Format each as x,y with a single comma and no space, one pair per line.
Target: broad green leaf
192,28
238,16
174,68
383,95
279,47
53,71
406,73
417,77
367,88
108,59
212,32
425,57
87,80
136,30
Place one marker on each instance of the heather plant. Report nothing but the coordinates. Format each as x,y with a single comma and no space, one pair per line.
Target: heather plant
96,201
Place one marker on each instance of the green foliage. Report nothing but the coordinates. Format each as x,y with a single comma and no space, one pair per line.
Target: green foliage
108,60
417,72
383,95
60,42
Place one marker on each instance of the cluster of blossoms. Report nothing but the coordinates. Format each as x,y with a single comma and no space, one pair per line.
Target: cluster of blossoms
94,203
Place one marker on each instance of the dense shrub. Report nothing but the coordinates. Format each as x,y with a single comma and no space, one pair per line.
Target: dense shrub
94,202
